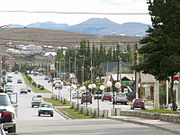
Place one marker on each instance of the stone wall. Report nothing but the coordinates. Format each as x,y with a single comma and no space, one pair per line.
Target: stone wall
164,117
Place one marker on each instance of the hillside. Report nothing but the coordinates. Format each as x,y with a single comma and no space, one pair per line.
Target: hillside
58,38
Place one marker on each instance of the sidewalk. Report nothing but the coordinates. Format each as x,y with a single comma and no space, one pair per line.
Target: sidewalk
172,127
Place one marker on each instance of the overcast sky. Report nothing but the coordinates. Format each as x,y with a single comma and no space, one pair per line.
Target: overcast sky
73,11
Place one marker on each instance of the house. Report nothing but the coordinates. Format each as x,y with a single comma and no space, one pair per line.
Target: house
145,85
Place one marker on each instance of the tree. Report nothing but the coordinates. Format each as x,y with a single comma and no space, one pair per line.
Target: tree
161,51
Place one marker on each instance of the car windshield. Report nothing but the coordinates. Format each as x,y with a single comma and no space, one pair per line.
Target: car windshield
4,100
121,95
138,100
107,95
37,99
86,95
46,105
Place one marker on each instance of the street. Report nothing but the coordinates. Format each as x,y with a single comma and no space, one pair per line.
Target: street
28,122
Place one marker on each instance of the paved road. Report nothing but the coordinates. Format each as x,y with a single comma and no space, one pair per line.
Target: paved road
28,123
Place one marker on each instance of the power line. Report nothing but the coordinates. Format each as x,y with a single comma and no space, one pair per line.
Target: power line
58,12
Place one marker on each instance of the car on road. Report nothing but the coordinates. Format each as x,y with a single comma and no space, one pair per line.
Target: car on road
36,101
98,95
46,109
120,98
86,97
107,96
137,103
46,78
29,89
10,80
20,81
9,87
23,91
7,112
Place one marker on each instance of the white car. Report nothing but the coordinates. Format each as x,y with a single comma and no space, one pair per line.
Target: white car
76,95
46,109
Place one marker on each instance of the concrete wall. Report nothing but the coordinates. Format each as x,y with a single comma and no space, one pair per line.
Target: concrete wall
164,117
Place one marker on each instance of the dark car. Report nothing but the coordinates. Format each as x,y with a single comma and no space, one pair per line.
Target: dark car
137,103
86,97
98,95
107,96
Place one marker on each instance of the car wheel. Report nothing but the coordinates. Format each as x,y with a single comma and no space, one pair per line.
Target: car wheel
51,115
39,114
142,108
90,102
32,106
81,102
132,108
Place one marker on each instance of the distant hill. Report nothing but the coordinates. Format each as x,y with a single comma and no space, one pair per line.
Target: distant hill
99,26
60,38
47,25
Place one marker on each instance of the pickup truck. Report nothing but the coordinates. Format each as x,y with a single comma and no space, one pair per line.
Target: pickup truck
8,105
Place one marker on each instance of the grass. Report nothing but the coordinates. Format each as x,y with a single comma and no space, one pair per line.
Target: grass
56,102
37,90
163,111
74,114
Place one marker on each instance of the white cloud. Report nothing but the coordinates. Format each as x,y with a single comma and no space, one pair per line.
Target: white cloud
100,6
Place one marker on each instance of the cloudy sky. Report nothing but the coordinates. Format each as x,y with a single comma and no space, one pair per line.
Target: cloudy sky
72,11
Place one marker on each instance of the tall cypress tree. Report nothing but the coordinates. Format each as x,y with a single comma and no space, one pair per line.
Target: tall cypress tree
161,48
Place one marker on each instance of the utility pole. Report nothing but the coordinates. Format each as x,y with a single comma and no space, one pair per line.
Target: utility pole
75,66
136,75
91,68
167,92
83,69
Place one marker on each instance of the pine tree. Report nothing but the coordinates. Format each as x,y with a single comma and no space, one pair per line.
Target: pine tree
161,51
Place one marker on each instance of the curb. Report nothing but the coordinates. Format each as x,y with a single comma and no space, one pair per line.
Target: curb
62,113
146,124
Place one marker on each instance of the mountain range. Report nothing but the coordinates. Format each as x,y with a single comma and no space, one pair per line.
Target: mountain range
98,26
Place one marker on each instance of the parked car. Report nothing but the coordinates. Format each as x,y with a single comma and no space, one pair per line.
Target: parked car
46,109
86,97
170,107
29,89
98,95
107,96
120,98
9,87
137,103
10,80
39,96
36,101
46,78
16,72
19,81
